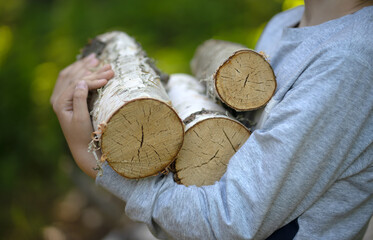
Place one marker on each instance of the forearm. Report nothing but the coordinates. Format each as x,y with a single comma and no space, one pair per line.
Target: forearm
85,160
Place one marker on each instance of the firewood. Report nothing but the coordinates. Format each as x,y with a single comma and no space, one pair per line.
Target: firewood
211,138
241,78
138,131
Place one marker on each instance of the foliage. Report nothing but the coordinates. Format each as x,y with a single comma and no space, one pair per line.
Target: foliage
38,38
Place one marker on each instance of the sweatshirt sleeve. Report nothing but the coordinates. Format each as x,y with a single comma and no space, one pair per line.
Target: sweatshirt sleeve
310,138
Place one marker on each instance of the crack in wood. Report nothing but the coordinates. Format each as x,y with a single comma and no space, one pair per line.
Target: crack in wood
159,157
228,77
259,90
237,62
212,157
229,141
202,164
117,142
142,136
218,143
125,118
223,163
246,79
197,134
150,113
141,142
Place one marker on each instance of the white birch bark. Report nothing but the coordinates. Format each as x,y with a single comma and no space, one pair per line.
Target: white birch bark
211,137
238,76
140,133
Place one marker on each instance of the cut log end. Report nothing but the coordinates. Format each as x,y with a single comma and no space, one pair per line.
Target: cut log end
207,149
245,81
142,138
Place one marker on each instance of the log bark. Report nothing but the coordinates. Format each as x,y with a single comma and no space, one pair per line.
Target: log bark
139,133
241,78
211,137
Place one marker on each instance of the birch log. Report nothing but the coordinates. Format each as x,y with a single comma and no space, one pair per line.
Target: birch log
238,76
140,133
211,137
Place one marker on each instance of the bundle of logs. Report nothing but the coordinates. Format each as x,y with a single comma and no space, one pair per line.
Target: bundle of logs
146,122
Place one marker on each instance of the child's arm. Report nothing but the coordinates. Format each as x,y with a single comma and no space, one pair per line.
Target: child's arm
69,100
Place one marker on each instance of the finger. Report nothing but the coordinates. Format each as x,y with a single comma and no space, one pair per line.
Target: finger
83,72
104,68
93,62
89,57
80,106
80,68
63,102
92,85
64,72
100,75
106,75
73,73
87,72
79,64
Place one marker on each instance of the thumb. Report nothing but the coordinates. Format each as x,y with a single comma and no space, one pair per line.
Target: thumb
80,106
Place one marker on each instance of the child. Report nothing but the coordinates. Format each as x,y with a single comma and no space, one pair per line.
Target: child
308,171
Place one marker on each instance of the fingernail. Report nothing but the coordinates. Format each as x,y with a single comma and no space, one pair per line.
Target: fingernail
93,61
81,84
106,66
102,81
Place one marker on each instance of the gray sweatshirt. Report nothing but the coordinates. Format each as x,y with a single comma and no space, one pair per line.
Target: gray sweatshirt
311,159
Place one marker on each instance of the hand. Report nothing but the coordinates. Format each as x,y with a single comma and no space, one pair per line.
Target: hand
72,74
70,106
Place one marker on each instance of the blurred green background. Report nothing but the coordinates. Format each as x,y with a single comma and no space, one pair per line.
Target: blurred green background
38,38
